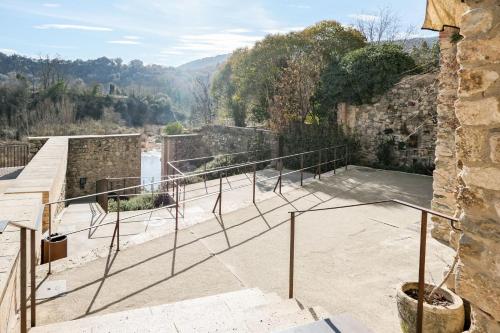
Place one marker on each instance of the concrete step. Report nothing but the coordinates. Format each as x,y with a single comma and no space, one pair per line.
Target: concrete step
248,310
343,323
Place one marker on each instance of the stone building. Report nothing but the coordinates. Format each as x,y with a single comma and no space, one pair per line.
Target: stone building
467,176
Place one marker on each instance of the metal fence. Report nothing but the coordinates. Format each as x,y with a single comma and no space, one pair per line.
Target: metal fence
13,155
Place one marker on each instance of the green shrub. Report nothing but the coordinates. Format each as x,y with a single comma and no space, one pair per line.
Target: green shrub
372,70
142,202
173,128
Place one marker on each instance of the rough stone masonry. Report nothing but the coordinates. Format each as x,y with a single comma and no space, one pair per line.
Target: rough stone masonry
405,116
477,155
478,159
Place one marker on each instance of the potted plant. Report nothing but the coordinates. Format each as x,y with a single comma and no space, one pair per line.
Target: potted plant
443,309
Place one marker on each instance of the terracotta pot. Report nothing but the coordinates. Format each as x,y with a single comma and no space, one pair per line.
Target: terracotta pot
437,318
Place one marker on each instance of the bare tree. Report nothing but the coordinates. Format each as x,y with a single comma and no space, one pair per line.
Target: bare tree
203,109
381,26
50,72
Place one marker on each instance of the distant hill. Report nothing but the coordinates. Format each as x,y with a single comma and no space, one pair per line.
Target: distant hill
132,78
417,42
210,63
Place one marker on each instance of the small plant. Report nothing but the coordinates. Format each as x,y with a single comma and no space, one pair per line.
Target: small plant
173,128
456,37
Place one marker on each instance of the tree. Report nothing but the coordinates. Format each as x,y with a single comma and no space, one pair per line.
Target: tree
370,71
382,26
294,93
203,106
253,80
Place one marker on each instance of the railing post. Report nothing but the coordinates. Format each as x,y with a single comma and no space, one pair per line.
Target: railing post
118,225
334,159
49,240
254,180
33,277
301,169
421,272
292,254
319,166
167,177
281,172
23,298
220,194
205,173
152,190
346,156
176,205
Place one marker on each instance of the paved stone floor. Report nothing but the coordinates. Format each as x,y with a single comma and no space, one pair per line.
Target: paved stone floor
348,260
139,227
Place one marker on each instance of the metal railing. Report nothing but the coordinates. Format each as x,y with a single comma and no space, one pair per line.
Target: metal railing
14,155
23,275
202,162
422,246
340,154
178,181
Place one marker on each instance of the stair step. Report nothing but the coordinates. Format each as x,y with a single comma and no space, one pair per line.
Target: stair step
343,323
248,310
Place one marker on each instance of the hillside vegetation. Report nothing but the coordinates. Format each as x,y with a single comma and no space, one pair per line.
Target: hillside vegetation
54,96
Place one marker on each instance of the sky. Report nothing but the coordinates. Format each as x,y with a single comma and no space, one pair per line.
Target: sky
172,32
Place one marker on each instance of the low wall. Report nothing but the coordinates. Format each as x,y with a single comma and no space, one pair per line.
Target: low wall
406,116
95,157
216,140
45,174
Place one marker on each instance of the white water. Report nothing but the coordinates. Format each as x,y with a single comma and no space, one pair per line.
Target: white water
150,166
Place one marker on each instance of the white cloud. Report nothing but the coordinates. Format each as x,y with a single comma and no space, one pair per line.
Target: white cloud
124,42
52,5
364,17
132,37
283,30
204,45
238,31
170,52
8,51
71,27
300,6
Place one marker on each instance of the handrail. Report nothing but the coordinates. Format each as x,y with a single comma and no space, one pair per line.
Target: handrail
220,155
423,241
202,174
23,274
177,181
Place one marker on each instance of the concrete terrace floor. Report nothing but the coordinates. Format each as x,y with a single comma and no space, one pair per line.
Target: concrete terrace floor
348,260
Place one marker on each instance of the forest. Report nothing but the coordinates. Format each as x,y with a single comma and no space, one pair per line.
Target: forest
51,96
300,77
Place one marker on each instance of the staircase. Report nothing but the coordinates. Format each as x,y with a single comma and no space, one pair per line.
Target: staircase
248,310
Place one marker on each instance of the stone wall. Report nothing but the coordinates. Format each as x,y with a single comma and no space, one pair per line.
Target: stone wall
445,174
230,139
217,140
45,174
35,144
478,160
406,116
92,158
